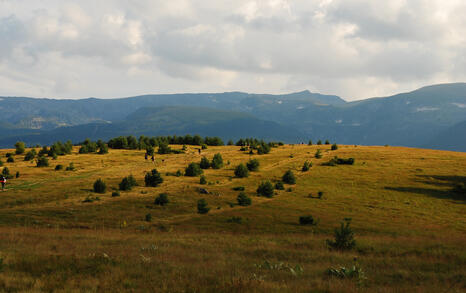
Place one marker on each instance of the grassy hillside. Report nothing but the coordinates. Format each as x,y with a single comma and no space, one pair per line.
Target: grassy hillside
410,228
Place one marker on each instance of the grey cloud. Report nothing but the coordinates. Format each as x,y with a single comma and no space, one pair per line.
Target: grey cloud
115,48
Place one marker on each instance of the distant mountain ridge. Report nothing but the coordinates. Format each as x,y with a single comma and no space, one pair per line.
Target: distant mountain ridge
414,119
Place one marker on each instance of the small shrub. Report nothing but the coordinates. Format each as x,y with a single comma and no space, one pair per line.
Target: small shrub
320,194
344,237
279,186
307,220
265,189
17,174
100,186
193,170
162,199
319,142
253,165
289,177
30,155
178,173
310,142
306,166
217,161
204,164
318,154
42,162
355,272
202,206
243,199
1,163
6,172
202,180
10,160
115,194
334,147
203,146
241,171
153,178
238,188
327,142
70,167
127,183
289,189
20,147
148,218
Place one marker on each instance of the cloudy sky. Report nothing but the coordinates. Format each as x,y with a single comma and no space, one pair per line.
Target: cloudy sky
353,48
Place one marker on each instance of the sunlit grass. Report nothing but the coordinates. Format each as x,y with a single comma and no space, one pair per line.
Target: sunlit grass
410,229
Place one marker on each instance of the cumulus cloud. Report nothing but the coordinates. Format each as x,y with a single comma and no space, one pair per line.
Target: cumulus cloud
355,49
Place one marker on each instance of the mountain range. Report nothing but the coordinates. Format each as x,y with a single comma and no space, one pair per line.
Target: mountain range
430,117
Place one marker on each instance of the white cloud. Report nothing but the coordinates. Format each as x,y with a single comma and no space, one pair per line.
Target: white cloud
355,49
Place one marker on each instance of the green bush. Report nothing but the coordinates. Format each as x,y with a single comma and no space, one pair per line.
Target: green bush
289,177
20,147
279,186
334,147
6,172
265,189
100,186
344,237
178,173
17,174
162,199
193,170
238,188
148,218
243,199
127,183
319,142
310,142
70,167
318,154
217,161
58,167
307,220
10,160
241,171
205,164
153,178
306,166
164,148
327,142
30,155
42,162
1,163
202,206
202,180
253,165
115,194
237,220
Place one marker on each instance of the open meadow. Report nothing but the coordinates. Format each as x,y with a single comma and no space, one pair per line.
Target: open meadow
57,235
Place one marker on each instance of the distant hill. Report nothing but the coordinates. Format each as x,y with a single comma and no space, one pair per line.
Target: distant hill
453,138
409,119
168,120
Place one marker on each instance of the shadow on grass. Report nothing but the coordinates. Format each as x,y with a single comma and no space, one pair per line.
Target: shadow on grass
438,181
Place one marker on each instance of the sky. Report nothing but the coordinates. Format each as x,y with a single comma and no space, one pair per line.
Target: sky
352,48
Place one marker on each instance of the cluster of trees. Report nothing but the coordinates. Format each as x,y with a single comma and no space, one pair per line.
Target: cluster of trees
89,146
130,142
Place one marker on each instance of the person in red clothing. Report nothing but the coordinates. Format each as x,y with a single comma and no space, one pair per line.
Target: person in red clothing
3,181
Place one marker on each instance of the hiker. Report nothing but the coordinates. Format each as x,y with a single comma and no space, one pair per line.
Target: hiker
199,151
145,156
153,159
3,181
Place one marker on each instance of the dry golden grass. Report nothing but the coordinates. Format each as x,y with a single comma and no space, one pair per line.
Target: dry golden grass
410,228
